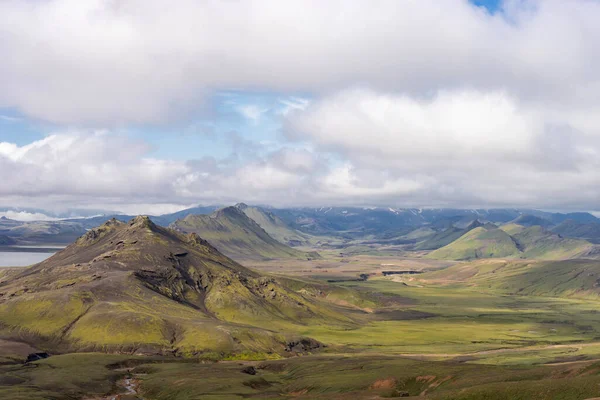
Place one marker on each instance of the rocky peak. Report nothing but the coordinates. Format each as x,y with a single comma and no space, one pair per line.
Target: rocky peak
194,238
142,221
241,206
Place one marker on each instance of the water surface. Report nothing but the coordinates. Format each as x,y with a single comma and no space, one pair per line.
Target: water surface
21,258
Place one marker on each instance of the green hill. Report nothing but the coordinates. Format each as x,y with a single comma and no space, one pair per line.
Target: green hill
514,241
275,226
445,237
234,234
478,243
537,242
511,228
137,287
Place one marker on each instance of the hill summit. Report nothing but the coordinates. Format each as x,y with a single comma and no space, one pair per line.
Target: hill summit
140,287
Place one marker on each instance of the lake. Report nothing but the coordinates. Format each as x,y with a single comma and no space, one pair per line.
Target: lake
21,258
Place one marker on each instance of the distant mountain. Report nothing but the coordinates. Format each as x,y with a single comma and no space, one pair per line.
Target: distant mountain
235,234
580,217
140,288
277,228
528,220
445,237
573,229
351,222
41,232
7,241
166,219
296,226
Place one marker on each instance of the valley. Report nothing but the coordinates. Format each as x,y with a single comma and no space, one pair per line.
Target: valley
216,308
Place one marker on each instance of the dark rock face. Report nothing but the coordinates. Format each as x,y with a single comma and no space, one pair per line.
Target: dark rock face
249,370
303,345
36,356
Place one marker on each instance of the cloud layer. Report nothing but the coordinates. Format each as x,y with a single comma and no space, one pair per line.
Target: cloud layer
414,103
103,62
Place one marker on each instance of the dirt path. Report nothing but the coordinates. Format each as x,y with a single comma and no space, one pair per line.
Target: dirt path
128,389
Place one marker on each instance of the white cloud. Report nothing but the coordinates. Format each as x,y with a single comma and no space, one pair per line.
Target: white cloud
252,112
26,216
425,103
8,118
104,63
455,148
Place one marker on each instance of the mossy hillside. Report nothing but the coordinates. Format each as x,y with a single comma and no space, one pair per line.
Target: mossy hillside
512,228
538,242
236,235
479,243
139,286
445,237
513,241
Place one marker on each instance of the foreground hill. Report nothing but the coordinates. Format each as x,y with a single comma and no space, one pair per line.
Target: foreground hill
140,287
277,228
233,233
514,241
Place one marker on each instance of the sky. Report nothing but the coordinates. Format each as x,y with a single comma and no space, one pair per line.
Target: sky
148,106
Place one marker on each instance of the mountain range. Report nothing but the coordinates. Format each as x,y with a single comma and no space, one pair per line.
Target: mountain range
428,229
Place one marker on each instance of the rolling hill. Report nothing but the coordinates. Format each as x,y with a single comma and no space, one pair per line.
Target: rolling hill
137,287
515,241
445,237
565,278
479,243
233,233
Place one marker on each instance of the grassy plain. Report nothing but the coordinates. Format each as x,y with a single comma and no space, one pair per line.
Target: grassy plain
486,330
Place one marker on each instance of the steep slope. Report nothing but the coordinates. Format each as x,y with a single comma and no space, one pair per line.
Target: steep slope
566,278
573,229
274,226
236,235
446,237
478,243
140,287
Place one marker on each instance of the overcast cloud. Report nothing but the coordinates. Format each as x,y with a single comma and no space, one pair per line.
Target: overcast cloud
405,103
